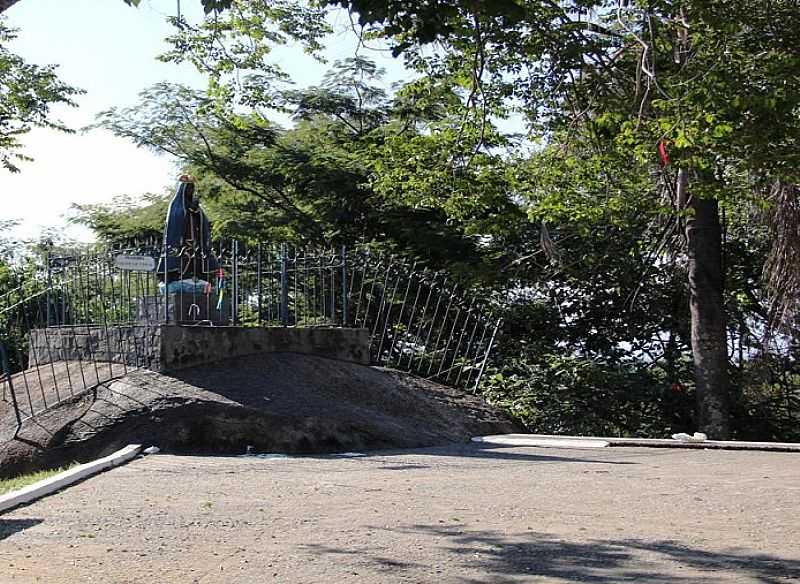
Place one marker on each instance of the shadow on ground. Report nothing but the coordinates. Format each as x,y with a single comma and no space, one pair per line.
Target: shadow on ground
504,557
471,450
494,452
9,527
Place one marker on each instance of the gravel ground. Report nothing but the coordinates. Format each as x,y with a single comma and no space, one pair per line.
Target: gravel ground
465,514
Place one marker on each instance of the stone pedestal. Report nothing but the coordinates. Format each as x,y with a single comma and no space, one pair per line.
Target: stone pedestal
182,308
164,347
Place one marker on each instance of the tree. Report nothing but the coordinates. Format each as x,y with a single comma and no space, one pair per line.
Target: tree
208,5
599,269
714,83
310,184
27,92
126,220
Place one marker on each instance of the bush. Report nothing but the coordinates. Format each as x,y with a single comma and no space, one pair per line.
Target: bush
555,394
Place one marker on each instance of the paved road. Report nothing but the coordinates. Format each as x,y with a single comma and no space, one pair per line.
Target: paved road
448,515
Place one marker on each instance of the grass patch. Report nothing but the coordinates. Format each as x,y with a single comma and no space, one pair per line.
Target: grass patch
8,485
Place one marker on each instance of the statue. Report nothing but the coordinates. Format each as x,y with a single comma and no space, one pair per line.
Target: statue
186,267
187,254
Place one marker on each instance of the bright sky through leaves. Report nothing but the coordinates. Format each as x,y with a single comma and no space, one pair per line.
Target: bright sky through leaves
109,49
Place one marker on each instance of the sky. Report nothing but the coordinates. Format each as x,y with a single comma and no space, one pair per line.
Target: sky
109,49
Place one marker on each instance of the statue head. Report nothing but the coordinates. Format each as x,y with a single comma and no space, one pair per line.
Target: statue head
187,188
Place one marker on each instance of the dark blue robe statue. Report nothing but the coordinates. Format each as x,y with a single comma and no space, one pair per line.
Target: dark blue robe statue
187,238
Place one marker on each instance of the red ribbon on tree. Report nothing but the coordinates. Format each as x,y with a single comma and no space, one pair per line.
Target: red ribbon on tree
662,153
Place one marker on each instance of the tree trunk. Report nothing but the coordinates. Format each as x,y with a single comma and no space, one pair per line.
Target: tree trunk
709,341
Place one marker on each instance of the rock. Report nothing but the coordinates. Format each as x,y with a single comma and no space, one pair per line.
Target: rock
277,402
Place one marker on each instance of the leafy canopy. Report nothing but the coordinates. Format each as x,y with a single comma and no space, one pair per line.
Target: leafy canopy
27,92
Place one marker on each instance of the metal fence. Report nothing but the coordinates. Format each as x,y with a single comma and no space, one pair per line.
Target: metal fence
420,321
88,318
43,366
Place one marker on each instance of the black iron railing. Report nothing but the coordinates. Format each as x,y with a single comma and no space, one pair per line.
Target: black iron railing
89,318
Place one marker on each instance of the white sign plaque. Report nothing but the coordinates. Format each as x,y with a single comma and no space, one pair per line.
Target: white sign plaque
134,263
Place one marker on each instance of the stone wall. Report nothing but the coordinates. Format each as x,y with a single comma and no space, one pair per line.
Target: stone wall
135,345
165,347
183,346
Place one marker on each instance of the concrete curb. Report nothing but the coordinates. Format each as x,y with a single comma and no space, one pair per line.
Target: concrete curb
552,440
66,478
542,442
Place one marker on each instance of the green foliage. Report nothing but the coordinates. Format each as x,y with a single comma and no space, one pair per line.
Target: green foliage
232,47
126,219
27,93
556,394
7,246
316,183
441,168
574,225
768,403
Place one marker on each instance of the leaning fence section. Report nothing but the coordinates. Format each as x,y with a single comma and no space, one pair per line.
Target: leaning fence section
86,319
420,320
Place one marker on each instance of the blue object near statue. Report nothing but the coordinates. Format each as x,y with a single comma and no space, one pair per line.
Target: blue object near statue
188,286
186,250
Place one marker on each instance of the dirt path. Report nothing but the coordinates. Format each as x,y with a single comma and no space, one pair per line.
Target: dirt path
444,515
